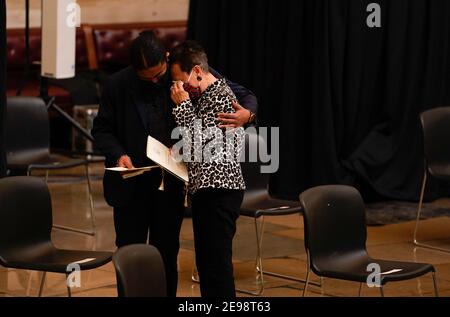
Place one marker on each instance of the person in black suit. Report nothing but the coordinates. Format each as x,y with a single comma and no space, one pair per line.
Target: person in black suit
136,103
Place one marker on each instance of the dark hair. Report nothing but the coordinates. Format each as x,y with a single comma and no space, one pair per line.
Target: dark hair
188,55
146,51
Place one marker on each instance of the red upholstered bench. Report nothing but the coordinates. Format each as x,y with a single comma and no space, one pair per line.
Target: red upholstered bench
112,41
103,47
16,60
98,47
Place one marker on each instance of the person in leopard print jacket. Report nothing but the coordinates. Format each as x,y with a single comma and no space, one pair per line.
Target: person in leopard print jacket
216,184
213,161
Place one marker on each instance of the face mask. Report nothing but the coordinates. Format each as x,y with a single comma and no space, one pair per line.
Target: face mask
194,92
162,82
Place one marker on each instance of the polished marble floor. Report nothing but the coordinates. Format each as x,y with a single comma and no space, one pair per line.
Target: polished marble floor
283,249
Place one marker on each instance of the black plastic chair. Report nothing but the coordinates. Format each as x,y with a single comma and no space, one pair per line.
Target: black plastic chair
335,240
436,132
140,271
25,232
28,145
258,204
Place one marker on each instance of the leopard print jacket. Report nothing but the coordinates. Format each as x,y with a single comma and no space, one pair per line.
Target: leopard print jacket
212,154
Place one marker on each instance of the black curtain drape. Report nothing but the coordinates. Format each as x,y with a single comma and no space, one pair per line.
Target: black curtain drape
345,96
2,87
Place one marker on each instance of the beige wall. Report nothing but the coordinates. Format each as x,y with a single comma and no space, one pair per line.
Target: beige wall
105,11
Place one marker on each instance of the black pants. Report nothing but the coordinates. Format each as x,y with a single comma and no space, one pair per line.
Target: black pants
157,216
214,215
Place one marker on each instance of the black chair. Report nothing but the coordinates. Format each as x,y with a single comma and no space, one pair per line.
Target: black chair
25,232
335,240
140,271
28,145
436,132
258,204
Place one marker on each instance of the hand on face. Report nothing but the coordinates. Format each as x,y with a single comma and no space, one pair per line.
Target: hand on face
177,93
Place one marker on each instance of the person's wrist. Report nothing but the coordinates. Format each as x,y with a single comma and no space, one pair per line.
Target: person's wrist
251,117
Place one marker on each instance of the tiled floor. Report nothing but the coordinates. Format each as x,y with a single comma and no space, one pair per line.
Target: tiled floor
283,249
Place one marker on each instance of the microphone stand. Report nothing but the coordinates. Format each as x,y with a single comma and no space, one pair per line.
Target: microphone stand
50,102
26,71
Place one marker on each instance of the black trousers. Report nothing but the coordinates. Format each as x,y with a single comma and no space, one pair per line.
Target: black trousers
214,215
155,216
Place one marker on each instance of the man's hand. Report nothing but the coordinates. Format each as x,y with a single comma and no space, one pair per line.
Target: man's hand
234,120
125,161
177,93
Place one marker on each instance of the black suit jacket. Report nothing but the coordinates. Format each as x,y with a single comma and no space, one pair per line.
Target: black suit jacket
130,110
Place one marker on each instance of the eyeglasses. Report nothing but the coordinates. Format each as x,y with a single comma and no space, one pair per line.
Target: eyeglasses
142,74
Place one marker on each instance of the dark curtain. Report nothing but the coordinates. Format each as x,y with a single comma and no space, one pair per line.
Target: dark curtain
345,96
2,87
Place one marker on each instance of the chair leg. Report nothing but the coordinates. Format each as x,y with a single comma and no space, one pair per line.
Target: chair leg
41,286
91,205
69,291
259,267
307,276
419,211
360,289
29,283
436,294
194,276
306,284
292,278
91,200
258,264
381,290
319,285
258,261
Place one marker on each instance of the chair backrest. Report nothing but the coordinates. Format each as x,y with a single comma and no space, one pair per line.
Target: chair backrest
334,218
25,212
140,271
251,164
27,127
436,132
16,52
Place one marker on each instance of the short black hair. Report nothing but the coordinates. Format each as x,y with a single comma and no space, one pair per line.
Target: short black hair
189,54
147,51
